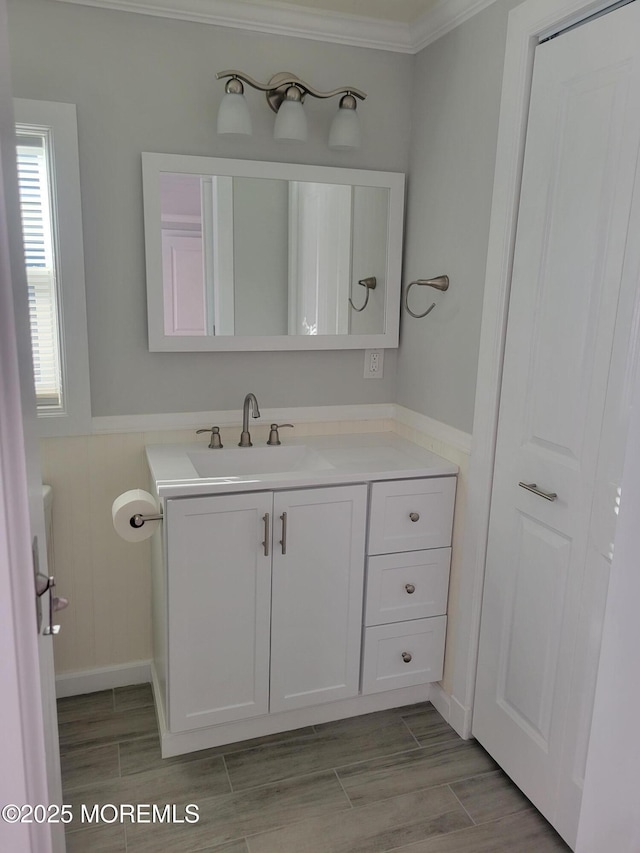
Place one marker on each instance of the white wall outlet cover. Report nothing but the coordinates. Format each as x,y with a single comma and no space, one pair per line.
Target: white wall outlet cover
373,363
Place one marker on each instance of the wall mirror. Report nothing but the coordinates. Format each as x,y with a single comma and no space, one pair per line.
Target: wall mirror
246,255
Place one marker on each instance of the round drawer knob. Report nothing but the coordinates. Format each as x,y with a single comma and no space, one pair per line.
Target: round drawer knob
414,516
406,657
410,588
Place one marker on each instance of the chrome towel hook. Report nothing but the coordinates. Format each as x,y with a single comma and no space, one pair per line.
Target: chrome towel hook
441,282
370,283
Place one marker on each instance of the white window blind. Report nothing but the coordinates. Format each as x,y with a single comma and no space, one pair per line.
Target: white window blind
34,180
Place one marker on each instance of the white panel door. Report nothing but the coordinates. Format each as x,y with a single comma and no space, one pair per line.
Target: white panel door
29,754
580,160
318,568
219,590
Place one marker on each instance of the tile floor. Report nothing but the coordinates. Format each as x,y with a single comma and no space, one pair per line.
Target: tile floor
396,780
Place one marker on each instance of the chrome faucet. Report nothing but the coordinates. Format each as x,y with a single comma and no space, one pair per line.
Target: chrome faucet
245,436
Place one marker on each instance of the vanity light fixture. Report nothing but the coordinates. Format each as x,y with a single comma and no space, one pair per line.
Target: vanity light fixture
285,95
234,115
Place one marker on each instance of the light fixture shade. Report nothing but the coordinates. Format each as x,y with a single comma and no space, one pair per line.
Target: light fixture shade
233,115
345,130
291,122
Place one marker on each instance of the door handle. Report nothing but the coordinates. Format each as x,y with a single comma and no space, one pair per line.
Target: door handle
532,487
283,541
48,584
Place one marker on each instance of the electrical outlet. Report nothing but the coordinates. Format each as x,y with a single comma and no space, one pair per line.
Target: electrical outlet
373,363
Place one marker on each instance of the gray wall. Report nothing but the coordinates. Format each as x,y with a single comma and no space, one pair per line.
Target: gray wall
148,84
369,258
457,86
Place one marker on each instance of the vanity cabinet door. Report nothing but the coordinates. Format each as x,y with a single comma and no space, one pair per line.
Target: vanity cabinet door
318,568
219,589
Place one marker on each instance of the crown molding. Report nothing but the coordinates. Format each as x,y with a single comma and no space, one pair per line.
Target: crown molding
442,18
275,19
301,22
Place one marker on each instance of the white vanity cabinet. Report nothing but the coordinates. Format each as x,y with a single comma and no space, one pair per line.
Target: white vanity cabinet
410,527
296,598
264,602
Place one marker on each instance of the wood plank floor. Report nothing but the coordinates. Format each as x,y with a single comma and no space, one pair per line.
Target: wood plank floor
398,780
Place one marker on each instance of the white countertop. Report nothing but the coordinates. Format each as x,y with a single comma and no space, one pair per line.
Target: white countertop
349,458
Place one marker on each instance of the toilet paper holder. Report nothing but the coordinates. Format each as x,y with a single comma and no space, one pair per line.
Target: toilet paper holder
138,519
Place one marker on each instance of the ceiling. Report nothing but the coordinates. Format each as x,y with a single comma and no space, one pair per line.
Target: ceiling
401,11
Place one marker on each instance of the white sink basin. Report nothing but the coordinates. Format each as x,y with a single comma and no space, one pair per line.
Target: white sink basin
241,461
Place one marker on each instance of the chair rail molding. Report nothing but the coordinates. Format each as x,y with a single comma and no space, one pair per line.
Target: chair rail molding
302,22
233,417
455,438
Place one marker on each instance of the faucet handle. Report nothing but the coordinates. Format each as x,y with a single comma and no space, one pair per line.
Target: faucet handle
274,437
216,441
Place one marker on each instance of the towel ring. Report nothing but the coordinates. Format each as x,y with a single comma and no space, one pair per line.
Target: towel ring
370,283
441,282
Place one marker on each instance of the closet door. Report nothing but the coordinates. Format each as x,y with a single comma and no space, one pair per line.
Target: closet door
546,579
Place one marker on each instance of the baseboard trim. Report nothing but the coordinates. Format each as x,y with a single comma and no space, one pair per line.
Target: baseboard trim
205,738
440,700
104,678
458,717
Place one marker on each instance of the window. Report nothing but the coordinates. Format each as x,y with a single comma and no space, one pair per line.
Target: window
49,185
37,228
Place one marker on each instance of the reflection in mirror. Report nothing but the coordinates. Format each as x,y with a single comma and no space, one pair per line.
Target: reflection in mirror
253,256
247,255
182,256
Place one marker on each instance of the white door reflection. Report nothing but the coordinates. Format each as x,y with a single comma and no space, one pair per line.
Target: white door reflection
319,258
197,254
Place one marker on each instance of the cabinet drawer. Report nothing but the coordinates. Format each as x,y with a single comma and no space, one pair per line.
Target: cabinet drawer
411,515
407,586
403,654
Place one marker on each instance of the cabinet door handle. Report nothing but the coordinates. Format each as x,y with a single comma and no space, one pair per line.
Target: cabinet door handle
414,516
410,588
406,657
283,541
265,544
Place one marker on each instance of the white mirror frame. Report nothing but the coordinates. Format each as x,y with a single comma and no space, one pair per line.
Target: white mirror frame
155,164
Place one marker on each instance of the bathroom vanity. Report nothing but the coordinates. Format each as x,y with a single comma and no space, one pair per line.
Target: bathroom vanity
295,585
